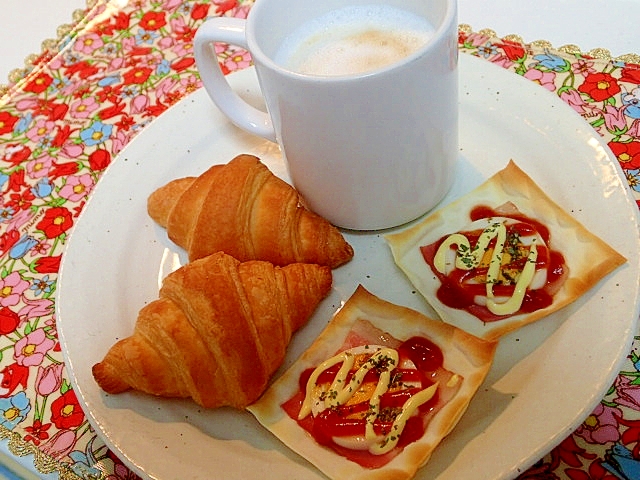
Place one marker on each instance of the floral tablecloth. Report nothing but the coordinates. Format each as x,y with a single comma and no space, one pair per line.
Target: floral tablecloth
80,102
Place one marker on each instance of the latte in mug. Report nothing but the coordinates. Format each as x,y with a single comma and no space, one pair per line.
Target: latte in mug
353,40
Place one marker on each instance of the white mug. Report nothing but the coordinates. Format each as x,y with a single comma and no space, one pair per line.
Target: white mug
368,150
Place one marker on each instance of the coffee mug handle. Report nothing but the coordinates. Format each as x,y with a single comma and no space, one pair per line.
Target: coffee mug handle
228,30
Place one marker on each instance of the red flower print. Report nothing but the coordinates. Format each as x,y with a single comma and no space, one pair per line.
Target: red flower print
122,20
137,75
600,86
596,472
62,135
13,376
16,181
513,50
200,11
628,154
16,154
7,122
63,169
47,264
631,74
84,69
37,432
183,64
225,5
9,321
571,453
110,112
39,84
52,110
56,221
153,20
8,239
21,201
66,411
99,160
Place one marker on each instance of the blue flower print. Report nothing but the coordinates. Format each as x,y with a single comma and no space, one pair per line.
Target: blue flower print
163,67
42,189
22,247
106,81
631,100
621,462
84,463
97,133
553,62
146,36
23,124
4,178
41,285
13,410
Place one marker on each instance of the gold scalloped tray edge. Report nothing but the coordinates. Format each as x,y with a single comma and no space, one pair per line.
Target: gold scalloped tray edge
49,46
600,53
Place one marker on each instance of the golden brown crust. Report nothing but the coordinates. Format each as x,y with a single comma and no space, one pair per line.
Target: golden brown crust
464,354
588,257
217,332
244,210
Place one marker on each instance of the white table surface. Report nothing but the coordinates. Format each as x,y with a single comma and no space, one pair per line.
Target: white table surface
24,25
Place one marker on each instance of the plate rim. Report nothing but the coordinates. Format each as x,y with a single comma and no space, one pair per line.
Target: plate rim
97,424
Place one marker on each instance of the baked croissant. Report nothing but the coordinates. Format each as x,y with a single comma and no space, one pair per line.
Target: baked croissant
243,209
217,332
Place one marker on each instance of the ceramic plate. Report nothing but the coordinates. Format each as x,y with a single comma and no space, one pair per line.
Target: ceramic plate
546,378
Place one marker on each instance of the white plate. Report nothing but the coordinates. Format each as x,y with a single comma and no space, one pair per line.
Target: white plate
546,378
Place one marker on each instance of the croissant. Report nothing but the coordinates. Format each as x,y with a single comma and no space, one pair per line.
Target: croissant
218,331
243,209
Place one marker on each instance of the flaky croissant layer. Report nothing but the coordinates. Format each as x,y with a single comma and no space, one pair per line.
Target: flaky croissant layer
218,331
243,209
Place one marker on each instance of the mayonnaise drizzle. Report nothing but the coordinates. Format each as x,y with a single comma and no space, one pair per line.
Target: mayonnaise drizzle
384,360
468,258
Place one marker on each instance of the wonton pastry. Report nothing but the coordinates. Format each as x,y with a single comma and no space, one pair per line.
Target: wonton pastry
509,199
362,323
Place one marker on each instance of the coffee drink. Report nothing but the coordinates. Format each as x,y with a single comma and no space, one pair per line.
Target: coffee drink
353,40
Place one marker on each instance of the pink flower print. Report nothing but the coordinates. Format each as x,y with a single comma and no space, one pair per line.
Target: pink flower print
601,427
545,79
242,11
575,100
40,130
139,104
71,150
628,393
183,49
39,167
166,85
477,39
36,308
614,118
583,67
171,4
84,107
77,187
19,219
27,104
11,288
61,444
238,60
88,43
49,379
31,350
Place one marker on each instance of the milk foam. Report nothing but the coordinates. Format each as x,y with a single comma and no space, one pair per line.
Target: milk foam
354,40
